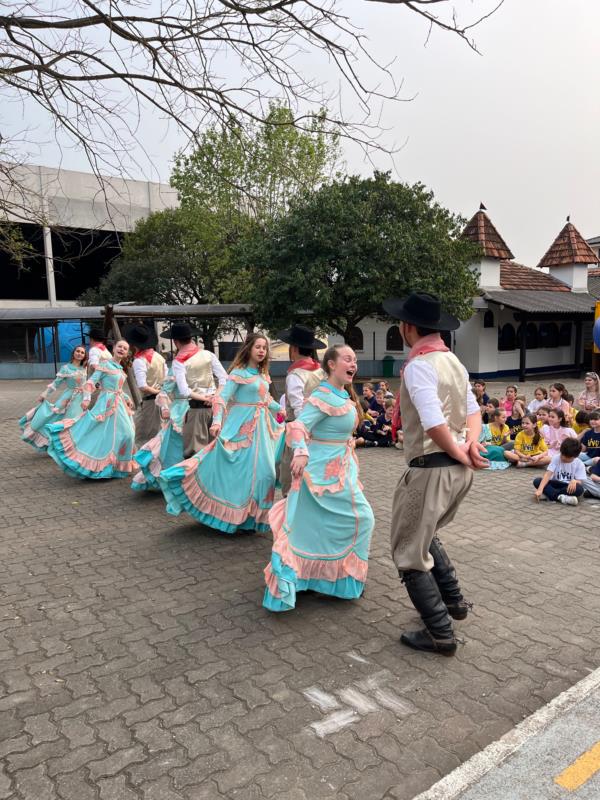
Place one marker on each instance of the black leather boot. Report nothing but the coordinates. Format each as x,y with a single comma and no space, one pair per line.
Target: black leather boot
438,635
445,575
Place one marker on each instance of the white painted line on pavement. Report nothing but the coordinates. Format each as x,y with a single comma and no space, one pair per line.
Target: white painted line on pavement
462,778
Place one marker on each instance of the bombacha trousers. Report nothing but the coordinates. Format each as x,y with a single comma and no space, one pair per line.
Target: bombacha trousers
424,501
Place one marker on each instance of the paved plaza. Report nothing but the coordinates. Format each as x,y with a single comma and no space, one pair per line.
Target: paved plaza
137,662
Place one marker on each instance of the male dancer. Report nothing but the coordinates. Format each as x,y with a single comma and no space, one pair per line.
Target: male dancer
441,421
198,374
150,371
303,377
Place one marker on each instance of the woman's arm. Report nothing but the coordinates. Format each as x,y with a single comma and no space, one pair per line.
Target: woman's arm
219,405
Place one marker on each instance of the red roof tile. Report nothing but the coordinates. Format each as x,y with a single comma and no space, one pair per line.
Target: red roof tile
569,247
517,276
480,229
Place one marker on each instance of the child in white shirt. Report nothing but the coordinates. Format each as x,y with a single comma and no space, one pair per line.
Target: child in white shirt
563,478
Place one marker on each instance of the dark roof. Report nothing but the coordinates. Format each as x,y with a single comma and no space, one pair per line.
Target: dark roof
480,229
594,282
543,302
57,313
518,276
569,247
593,240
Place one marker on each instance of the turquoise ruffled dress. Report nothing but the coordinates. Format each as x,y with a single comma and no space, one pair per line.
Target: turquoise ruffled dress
322,530
230,484
166,448
100,443
70,380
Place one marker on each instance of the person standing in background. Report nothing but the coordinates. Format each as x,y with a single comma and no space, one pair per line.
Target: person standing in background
150,372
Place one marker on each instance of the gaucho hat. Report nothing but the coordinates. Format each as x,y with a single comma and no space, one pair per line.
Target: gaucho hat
180,330
97,334
140,336
422,309
301,336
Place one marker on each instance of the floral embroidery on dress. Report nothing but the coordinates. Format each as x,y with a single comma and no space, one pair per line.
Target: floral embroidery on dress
247,428
334,468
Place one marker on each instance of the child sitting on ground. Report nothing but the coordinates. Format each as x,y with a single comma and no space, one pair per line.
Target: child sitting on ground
499,430
530,448
540,398
480,393
516,417
383,426
581,422
542,416
557,430
590,440
376,406
486,412
563,480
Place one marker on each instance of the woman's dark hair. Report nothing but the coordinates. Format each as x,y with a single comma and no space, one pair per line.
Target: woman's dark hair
535,439
561,416
570,448
242,357
560,387
85,359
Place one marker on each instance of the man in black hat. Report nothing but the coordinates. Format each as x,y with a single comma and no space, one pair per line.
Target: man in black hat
441,422
199,374
303,377
150,371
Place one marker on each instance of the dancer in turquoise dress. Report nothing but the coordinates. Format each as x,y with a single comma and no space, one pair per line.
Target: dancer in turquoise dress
166,448
100,443
69,379
322,530
230,484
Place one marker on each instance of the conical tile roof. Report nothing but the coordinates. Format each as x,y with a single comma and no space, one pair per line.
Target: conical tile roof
481,229
569,247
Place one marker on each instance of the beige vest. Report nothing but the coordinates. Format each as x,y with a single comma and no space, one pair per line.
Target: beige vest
155,376
198,372
452,391
311,379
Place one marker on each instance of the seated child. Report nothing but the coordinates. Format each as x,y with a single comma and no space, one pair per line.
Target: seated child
556,429
516,416
480,393
385,388
581,422
376,406
492,404
493,453
383,426
563,480
499,430
590,440
530,448
542,416
591,484
539,399
365,423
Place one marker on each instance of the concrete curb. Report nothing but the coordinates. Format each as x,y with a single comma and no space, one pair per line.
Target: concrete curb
462,778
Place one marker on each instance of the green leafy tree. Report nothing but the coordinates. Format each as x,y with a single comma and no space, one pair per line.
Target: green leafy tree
255,171
343,249
178,256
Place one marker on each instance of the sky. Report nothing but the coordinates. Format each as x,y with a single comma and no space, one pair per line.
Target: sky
514,126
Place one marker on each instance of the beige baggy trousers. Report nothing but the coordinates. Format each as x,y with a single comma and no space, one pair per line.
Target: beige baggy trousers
147,422
196,430
424,501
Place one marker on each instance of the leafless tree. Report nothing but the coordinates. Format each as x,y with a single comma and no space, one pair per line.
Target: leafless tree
95,67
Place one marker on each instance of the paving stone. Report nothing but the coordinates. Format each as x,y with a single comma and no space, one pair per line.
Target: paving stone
136,660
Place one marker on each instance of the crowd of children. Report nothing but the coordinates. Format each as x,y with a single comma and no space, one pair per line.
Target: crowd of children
554,430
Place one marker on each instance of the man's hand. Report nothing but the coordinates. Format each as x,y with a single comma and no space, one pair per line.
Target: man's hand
297,466
572,487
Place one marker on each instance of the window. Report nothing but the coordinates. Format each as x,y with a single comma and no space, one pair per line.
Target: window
564,335
549,335
393,340
506,337
488,319
531,336
355,339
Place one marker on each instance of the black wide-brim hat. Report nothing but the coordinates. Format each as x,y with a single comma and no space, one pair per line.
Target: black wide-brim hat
140,336
301,336
97,334
181,330
421,309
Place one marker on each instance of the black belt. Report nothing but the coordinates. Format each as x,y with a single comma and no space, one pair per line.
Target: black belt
200,404
148,397
434,460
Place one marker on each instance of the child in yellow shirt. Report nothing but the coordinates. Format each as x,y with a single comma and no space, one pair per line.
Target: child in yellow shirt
499,430
530,448
581,423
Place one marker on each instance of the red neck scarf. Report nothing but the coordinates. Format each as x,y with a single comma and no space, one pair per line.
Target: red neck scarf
100,346
147,354
187,351
304,363
432,343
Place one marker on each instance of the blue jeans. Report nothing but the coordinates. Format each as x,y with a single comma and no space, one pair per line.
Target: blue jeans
553,489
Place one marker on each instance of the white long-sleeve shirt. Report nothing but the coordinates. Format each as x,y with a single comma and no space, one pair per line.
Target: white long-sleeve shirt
421,382
179,374
140,370
294,389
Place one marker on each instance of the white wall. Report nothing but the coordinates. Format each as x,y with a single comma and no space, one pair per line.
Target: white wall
574,275
489,272
372,351
467,342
